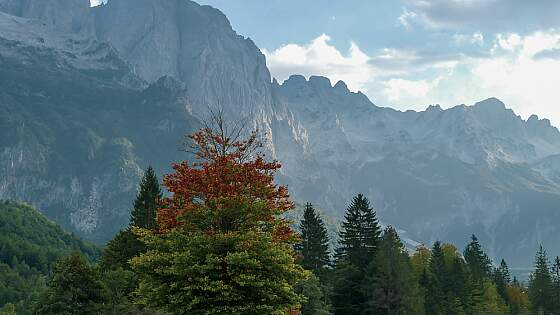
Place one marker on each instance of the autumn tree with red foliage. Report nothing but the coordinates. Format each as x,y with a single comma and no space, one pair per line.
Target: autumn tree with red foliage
221,246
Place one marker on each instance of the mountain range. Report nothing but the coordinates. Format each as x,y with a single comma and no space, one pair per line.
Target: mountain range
89,97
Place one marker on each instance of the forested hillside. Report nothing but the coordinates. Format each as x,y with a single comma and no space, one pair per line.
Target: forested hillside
30,245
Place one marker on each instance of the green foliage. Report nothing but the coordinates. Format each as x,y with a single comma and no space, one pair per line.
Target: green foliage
360,233
120,250
394,284
231,273
491,302
502,278
359,238
8,309
145,206
316,301
118,284
540,285
74,288
478,262
314,242
29,247
347,294
518,299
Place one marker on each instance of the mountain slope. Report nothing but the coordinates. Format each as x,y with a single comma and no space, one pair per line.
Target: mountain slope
29,246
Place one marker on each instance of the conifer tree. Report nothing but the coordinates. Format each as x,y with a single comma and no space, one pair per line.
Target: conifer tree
501,279
125,245
347,294
434,281
395,286
479,264
360,233
359,238
540,285
314,243
145,206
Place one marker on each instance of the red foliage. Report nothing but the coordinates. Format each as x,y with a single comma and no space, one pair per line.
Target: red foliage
226,174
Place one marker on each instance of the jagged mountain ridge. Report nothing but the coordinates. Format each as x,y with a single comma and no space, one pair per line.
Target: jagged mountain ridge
438,174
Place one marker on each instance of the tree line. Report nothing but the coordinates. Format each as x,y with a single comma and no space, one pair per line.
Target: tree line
219,244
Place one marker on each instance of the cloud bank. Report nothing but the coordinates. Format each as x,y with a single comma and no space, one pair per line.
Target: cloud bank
522,70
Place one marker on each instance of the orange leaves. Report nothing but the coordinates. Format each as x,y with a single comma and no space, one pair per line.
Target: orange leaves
230,187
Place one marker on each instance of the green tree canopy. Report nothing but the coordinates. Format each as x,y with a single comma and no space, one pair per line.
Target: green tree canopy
314,241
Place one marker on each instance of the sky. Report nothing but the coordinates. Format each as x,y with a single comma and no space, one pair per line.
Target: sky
408,54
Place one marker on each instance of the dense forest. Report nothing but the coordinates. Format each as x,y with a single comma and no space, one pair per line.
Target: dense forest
218,242
30,245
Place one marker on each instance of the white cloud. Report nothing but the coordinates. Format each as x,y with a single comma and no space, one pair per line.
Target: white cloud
521,70
401,90
319,57
476,38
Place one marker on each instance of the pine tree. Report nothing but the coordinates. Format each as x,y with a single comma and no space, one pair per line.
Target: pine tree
126,245
314,244
359,238
480,266
395,286
145,206
347,295
501,279
434,281
540,285
360,233
74,288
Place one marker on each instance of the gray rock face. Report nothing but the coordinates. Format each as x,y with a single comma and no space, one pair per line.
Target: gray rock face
90,96
67,16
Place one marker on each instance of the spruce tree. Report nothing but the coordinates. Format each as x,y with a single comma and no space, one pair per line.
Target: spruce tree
502,279
540,285
479,264
126,245
395,286
145,206
359,238
360,233
314,244
434,281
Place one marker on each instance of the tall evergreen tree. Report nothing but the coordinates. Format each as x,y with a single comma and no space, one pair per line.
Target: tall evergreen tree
360,233
501,279
540,285
434,281
145,206
314,244
395,286
479,264
359,238
126,245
